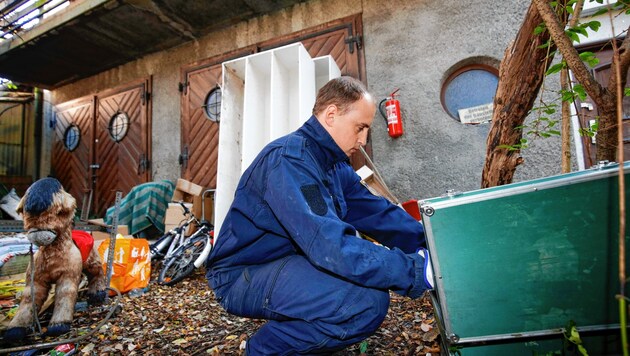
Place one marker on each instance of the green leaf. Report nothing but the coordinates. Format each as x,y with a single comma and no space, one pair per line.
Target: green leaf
626,91
594,25
508,147
581,30
554,132
578,89
555,68
600,12
572,35
567,95
549,111
363,347
590,58
540,29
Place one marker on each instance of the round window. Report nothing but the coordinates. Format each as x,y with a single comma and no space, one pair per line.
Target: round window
118,126
468,93
72,137
212,105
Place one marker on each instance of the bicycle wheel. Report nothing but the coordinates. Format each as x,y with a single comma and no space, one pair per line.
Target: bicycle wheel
181,264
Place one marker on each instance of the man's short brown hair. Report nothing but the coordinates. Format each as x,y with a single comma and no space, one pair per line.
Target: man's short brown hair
342,92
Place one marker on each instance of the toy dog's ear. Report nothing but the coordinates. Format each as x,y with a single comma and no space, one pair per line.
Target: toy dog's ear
20,207
64,200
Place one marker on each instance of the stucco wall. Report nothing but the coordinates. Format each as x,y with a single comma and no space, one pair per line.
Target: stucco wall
408,44
414,47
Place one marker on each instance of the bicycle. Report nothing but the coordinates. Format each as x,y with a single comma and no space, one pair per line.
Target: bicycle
164,246
186,254
187,257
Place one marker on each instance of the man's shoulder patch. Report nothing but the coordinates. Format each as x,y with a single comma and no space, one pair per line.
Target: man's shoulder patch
314,198
294,147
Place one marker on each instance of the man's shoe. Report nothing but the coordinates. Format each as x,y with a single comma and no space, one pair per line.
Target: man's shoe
428,269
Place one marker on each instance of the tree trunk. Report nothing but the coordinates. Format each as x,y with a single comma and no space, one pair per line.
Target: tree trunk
520,76
605,98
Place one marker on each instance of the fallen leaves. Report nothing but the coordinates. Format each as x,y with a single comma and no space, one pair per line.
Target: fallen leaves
186,320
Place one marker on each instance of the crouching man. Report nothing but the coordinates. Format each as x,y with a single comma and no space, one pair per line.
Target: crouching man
287,250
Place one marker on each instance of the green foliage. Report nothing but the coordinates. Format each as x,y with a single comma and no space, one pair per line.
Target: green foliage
589,58
591,131
518,146
556,68
363,347
540,29
573,336
572,344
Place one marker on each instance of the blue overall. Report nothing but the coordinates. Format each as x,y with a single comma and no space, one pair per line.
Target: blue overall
288,252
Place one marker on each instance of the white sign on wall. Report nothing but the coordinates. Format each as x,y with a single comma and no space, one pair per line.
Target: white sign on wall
476,114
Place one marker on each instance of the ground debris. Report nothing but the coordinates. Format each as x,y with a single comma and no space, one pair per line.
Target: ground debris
186,320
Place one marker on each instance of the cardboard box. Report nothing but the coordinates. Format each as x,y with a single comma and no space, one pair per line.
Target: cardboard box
175,216
192,193
198,203
99,236
369,180
186,191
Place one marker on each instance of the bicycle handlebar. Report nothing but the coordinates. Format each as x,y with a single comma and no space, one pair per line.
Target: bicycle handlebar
186,211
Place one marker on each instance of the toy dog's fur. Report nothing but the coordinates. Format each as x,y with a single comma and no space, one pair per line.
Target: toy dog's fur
48,211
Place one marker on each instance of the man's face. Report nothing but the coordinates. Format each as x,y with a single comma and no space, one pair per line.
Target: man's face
350,129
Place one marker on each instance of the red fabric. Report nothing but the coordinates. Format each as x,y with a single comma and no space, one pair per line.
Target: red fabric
84,242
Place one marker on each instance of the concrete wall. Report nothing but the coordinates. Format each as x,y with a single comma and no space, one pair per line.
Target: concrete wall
415,47
411,45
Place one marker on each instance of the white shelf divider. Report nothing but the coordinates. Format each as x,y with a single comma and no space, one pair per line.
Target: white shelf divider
264,96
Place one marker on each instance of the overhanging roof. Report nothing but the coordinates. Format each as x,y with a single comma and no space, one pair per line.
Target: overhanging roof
91,36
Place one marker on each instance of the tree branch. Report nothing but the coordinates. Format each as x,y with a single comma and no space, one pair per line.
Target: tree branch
569,53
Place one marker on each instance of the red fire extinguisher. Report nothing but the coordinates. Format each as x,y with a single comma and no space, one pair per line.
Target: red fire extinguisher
391,114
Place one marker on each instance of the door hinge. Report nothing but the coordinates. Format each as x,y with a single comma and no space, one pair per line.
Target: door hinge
146,97
351,40
183,158
183,87
143,164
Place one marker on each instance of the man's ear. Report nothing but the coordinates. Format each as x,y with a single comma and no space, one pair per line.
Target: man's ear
330,113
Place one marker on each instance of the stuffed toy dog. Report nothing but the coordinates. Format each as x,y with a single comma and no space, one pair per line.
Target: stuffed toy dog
48,212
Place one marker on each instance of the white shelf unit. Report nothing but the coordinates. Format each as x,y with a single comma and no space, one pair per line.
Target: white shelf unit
264,96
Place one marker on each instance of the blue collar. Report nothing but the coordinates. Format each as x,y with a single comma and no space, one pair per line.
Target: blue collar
321,144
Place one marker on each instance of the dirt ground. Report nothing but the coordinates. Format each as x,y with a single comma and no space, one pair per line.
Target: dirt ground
187,320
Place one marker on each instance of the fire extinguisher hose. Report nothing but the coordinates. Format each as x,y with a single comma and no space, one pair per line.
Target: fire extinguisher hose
381,109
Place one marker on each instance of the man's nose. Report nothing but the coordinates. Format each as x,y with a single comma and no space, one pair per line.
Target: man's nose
363,138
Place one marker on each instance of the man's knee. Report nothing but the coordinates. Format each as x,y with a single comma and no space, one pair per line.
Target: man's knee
370,309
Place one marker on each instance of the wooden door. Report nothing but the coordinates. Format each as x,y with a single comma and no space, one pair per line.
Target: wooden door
342,40
72,147
122,144
200,134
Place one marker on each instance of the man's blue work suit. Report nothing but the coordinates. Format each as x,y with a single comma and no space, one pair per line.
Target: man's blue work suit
288,252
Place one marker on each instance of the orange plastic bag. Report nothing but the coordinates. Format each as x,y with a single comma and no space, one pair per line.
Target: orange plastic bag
132,265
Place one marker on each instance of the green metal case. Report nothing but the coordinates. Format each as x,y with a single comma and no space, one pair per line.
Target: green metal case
520,261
